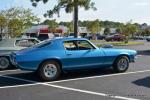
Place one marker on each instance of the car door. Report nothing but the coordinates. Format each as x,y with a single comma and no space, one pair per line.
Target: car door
82,54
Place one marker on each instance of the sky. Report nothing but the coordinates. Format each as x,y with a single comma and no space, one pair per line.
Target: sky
112,10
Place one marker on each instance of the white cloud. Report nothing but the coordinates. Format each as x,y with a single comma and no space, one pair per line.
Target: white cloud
140,4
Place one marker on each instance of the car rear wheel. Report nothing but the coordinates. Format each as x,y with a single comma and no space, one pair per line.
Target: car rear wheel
121,64
4,63
49,71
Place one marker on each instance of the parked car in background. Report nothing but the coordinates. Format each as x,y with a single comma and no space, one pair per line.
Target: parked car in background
116,37
93,36
0,37
138,38
8,46
50,58
89,37
148,39
26,42
71,35
101,37
45,36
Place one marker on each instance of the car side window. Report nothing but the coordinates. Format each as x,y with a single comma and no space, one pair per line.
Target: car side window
84,45
78,45
70,45
25,43
21,43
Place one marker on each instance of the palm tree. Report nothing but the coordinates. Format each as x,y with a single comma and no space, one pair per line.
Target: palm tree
69,6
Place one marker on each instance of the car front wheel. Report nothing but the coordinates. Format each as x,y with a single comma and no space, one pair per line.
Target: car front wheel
49,71
4,63
121,64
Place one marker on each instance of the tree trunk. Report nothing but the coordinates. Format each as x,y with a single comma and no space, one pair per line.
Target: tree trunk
1,31
75,18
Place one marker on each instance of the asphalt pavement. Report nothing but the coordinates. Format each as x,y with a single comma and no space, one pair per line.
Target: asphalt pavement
99,84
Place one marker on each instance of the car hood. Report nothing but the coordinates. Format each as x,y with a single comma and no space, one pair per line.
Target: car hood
114,51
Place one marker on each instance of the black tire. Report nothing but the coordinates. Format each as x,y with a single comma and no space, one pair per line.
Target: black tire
117,67
44,75
4,63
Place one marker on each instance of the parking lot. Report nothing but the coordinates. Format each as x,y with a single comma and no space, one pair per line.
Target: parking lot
99,84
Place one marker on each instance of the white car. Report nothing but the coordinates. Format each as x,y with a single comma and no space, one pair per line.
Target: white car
148,39
10,45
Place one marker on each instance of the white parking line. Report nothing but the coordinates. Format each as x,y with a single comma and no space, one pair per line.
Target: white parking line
9,70
20,79
102,76
33,83
90,92
16,86
65,88
68,80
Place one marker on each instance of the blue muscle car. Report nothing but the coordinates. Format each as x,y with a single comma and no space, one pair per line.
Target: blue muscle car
51,57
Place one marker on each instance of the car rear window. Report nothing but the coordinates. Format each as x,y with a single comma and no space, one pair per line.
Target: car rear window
43,44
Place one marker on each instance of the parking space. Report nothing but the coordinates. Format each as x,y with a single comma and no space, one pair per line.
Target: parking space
5,81
96,84
130,85
42,92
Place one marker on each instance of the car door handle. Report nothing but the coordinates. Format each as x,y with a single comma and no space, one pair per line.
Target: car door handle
69,54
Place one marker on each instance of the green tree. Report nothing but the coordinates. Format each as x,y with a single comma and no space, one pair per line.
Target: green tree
107,31
27,17
119,30
69,25
69,6
2,24
15,27
146,32
94,26
24,15
51,23
21,15
130,29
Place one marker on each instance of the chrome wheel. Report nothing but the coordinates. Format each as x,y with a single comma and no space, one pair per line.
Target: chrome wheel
50,70
122,64
4,63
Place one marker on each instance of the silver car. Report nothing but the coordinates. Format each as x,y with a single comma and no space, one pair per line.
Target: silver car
10,45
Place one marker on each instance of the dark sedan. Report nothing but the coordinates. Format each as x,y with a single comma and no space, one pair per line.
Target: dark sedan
116,37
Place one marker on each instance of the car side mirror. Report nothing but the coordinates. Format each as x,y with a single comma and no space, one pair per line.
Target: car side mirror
107,46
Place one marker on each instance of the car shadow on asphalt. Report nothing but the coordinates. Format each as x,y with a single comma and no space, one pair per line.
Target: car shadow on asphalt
144,52
145,82
69,75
